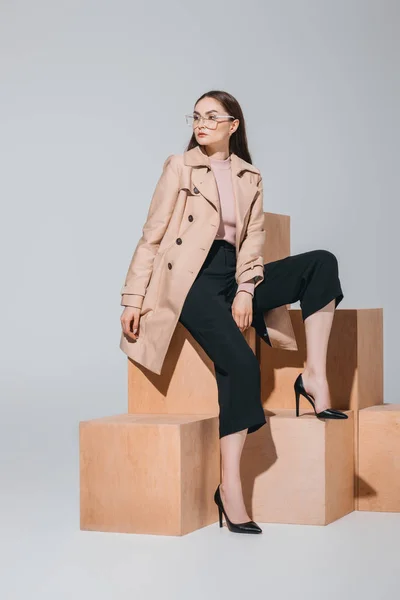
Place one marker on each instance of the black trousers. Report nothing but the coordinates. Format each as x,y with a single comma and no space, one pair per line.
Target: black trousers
310,277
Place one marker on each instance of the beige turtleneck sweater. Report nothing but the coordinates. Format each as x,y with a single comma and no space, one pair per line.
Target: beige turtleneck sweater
227,226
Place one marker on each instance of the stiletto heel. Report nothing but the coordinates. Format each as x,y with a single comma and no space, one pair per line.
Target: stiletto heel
297,401
220,516
248,527
328,413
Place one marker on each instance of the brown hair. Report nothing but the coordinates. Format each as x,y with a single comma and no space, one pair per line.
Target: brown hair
238,140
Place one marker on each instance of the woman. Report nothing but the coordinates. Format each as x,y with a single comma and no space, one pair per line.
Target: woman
217,285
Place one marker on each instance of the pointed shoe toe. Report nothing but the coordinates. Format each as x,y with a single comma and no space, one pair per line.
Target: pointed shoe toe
250,527
330,413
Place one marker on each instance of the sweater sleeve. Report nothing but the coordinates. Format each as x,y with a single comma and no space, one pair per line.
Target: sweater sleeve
247,286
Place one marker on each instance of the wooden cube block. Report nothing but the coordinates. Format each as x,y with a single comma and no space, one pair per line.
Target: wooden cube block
354,366
379,458
277,242
299,470
153,474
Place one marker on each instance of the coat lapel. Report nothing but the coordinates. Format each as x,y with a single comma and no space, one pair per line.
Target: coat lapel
203,179
244,183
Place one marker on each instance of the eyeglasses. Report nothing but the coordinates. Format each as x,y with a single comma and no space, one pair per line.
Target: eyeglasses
210,122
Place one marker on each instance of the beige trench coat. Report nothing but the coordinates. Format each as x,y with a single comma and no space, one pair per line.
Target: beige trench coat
180,228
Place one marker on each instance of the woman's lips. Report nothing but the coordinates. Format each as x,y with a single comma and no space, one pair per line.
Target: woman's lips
201,134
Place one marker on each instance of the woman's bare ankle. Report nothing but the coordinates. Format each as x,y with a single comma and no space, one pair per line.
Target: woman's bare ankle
317,377
316,384
232,498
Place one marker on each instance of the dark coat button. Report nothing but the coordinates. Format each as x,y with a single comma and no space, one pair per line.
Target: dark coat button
196,191
169,266
190,217
179,241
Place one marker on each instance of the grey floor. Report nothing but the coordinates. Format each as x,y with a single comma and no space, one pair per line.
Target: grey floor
46,556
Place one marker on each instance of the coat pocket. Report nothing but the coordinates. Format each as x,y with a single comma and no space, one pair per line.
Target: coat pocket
151,295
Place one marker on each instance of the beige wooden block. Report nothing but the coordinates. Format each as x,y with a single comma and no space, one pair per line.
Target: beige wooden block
153,474
354,366
379,458
187,383
277,240
299,470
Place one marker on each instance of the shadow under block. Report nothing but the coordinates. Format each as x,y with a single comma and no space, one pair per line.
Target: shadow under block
148,474
379,458
187,381
299,470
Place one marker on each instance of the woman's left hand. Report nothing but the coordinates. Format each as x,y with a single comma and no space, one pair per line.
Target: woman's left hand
242,309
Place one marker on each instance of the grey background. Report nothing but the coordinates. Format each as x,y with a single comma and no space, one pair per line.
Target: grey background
93,95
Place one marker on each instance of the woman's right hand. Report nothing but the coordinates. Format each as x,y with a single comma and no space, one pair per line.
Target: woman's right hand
130,321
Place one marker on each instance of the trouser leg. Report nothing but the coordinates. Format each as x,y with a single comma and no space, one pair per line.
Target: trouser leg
311,277
207,316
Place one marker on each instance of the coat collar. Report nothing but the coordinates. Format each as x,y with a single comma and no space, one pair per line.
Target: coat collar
245,179
195,157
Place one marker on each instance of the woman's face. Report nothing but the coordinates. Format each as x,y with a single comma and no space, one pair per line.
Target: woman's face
218,130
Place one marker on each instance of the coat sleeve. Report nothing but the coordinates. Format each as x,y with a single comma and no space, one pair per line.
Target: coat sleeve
159,214
250,261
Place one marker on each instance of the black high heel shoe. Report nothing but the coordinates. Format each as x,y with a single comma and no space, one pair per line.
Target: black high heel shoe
248,527
328,413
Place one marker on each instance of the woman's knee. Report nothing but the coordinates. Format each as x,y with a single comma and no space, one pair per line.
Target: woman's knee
326,257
